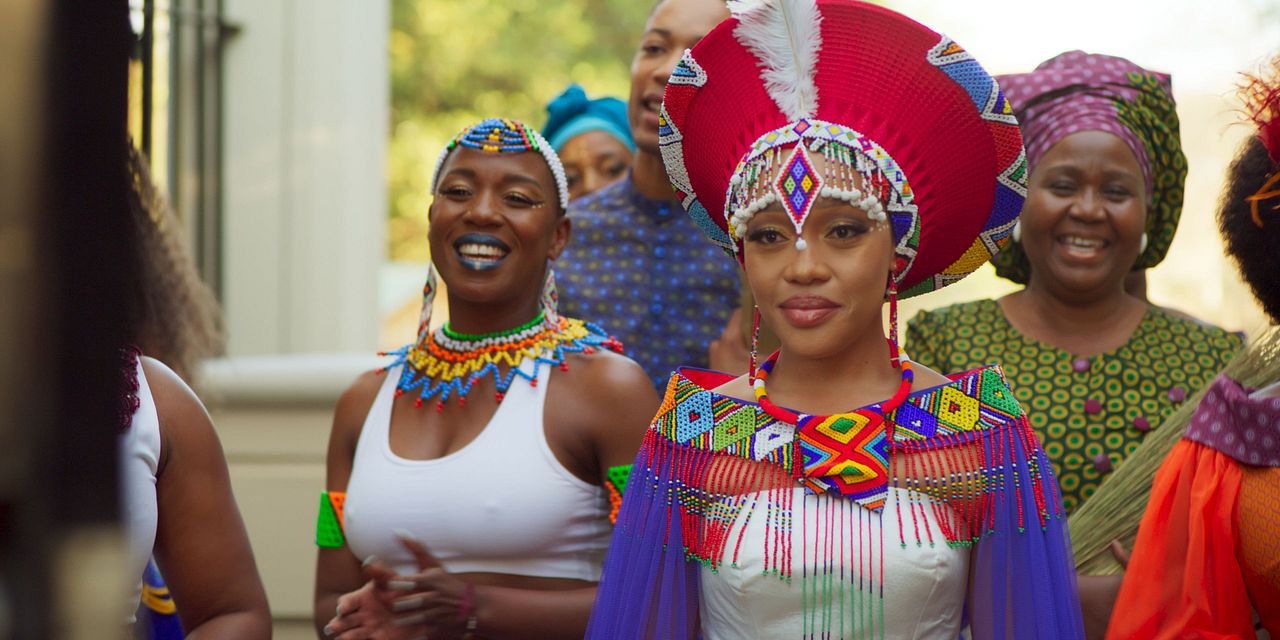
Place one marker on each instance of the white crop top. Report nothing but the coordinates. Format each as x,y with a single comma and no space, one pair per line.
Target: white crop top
139,459
924,600
501,504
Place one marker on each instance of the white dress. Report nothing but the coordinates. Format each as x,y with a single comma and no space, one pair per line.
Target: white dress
924,585
139,460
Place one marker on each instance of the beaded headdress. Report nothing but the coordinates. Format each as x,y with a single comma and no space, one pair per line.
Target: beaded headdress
503,135
912,129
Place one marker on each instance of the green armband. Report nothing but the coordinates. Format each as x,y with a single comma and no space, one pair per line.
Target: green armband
617,485
329,523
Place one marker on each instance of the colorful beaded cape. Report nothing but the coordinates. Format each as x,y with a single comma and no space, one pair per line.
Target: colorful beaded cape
963,451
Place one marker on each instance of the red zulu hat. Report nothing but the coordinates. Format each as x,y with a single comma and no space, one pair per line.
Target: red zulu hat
907,111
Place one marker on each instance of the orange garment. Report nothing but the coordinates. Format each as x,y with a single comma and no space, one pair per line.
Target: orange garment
1258,520
1185,580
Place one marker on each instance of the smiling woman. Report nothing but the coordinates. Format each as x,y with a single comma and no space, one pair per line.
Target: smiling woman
1099,367
474,477
591,137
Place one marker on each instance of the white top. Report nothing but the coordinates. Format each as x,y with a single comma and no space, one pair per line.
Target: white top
924,586
139,460
501,504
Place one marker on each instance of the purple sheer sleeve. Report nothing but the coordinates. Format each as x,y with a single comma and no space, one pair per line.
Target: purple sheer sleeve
648,588
1023,581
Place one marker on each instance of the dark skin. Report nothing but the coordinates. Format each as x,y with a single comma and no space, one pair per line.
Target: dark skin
842,276
201,545
592,160
674,25
594,418
1081,230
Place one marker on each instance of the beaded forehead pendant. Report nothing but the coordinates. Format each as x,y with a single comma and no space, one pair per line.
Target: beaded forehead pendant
503,135
780,168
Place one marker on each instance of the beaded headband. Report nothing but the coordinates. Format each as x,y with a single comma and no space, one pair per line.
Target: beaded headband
856,172
503,135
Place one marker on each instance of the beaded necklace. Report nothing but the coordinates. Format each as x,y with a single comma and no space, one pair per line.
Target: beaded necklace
876,413
446,363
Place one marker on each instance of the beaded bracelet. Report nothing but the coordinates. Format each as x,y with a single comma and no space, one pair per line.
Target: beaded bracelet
329,522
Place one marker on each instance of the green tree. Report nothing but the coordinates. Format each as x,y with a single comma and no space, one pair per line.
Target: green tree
455,61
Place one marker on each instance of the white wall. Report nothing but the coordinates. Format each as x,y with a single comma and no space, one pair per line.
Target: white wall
306,109
273,415
306,86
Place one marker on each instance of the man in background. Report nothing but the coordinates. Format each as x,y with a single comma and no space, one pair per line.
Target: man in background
636,262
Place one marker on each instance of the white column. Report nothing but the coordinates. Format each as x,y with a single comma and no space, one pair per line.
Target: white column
306,86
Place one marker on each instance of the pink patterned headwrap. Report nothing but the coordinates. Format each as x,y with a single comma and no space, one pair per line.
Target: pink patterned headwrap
1078,91
1075,92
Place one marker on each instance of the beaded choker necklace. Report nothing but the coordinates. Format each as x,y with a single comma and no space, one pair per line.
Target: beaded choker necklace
875,415
447,363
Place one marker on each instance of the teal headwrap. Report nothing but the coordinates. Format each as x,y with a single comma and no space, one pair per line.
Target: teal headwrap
571,114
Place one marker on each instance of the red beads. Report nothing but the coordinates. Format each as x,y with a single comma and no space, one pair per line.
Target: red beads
1141,424
1177,394
1080,365
1092,406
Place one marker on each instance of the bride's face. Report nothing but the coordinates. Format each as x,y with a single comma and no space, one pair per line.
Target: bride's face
823,298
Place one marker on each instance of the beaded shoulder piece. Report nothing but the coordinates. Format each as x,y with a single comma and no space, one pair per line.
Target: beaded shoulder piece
446,364
956,465
946,444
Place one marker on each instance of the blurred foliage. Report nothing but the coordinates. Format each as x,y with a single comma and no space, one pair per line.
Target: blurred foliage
456,61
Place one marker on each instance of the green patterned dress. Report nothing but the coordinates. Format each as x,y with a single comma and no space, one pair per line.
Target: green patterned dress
1090,413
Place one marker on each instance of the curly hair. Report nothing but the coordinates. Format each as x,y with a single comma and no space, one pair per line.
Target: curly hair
1256,250
176,318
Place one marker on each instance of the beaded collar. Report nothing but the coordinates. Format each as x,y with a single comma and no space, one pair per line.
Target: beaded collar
876,415
446,363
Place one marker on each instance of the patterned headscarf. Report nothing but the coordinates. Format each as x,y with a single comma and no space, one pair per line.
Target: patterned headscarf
1078,91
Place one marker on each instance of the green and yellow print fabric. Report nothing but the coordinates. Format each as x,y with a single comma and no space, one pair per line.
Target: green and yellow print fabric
1130,387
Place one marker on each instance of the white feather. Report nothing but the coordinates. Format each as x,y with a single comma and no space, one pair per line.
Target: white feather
785,37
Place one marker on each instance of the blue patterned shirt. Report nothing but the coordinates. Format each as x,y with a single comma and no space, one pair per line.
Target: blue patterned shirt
641,270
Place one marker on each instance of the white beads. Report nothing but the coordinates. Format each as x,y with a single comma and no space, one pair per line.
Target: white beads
738,221
855,197
801,245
